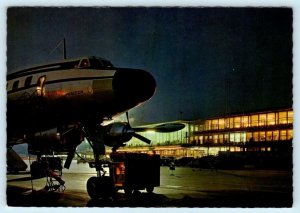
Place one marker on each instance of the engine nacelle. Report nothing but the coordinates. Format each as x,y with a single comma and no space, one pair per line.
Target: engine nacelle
50,141
117,133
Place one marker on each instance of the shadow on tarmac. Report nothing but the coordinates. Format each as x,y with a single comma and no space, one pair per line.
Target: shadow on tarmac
25,197
137,200
23,179
18,196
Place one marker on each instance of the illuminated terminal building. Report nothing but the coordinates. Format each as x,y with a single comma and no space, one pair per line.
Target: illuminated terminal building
263,131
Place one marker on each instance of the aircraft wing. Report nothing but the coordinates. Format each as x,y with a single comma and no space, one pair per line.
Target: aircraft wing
12,142
163,128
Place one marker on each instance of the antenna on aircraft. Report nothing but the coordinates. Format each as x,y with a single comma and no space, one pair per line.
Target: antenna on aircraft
65,51
61,42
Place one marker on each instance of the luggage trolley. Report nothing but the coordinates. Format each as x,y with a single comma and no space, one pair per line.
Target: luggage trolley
53,172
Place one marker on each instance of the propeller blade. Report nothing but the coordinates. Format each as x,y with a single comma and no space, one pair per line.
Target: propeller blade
69,159
142,138
127,116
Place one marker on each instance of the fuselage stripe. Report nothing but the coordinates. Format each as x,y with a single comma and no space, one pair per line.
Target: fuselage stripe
61,81
50,69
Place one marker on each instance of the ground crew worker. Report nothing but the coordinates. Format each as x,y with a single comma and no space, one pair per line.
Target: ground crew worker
172,167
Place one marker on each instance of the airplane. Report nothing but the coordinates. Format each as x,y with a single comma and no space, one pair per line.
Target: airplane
53,107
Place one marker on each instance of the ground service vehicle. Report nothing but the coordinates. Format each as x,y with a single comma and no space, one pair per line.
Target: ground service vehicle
129,172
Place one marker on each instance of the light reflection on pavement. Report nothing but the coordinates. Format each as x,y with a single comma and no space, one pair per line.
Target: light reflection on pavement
188,185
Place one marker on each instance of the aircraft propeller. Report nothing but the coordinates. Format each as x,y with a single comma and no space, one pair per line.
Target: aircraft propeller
134,134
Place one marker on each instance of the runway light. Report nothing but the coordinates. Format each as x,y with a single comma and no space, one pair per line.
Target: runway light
150,131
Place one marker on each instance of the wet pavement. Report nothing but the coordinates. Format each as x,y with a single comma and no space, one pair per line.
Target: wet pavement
186,187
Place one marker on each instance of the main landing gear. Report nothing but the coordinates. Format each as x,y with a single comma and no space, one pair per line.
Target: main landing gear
131,172
100,187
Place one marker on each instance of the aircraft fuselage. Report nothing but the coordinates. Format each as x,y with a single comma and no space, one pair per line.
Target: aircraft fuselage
81,90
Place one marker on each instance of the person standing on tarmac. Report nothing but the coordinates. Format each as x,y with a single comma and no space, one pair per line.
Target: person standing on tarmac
172,167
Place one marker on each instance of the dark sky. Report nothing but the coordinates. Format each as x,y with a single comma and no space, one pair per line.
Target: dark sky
206,61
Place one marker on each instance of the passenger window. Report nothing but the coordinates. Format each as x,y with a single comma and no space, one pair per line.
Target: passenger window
15,85
41,86
28,81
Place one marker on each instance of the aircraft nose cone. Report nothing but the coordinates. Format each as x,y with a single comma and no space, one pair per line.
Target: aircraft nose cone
133,85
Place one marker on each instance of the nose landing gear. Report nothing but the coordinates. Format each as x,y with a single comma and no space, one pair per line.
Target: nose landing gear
100,187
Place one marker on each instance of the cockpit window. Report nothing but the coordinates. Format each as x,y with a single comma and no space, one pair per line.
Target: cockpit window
84,63
95,63
100,63
107,63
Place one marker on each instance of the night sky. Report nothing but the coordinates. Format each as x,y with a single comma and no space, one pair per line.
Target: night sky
206,61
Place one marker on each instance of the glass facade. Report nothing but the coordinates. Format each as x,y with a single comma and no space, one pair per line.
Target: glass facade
227,133
261,126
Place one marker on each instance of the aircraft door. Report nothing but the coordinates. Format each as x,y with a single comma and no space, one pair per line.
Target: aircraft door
40,89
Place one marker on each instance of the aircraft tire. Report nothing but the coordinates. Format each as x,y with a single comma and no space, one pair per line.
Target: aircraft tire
100,187
92,187
107,188
128,191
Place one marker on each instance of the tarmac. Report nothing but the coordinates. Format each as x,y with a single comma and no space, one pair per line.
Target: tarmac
184,187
